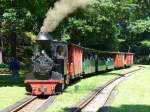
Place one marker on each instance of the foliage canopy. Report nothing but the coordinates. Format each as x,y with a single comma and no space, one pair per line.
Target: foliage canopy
101,25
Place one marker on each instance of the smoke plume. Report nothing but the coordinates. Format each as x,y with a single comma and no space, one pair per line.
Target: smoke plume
61,9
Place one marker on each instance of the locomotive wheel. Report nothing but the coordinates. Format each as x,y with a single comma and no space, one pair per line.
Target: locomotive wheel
67,81
59,88
28,88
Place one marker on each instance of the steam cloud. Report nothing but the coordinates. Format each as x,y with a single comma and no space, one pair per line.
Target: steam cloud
61,9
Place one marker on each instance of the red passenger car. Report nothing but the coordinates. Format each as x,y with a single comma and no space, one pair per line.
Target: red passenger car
129,59
119,59
74,60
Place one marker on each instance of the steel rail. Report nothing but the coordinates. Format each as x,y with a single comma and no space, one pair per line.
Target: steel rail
87,101
25,103
21,103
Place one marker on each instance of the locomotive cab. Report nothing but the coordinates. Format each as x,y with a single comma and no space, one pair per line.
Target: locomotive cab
60,56
48,66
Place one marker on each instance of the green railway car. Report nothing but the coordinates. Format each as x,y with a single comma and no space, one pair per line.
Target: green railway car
86,65
109,63
101,64
94,61
89,64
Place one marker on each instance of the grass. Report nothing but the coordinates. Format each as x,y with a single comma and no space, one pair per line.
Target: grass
10,90
133,94
70,96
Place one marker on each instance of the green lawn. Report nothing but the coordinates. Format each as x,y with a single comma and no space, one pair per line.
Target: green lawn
86,86
133,95
10,91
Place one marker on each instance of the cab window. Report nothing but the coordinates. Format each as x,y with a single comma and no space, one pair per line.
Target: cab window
60,51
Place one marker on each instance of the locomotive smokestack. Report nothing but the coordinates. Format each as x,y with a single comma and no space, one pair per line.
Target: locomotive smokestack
44,36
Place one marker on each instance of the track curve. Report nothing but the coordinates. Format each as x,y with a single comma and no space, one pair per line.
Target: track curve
99,98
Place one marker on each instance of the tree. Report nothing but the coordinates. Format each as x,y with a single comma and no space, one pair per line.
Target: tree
112,25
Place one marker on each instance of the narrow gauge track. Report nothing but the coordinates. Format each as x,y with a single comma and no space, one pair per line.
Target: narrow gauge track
31,104
99,98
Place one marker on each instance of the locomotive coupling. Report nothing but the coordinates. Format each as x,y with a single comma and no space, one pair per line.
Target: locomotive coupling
42,89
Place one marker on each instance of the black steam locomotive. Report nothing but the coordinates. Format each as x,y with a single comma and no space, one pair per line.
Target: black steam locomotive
48,66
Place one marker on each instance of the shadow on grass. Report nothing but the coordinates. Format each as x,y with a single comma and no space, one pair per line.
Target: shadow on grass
9,80
127,108
86,76
102,73
123,108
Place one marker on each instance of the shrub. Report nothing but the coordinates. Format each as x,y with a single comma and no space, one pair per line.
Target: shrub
143,60
4,65
4,68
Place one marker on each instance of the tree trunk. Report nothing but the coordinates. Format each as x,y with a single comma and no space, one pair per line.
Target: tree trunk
13,35
1,50
13,44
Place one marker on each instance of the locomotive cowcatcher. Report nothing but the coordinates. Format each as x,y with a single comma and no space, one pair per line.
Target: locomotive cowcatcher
48,69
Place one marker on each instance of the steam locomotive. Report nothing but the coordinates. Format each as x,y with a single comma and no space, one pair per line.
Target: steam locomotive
55,63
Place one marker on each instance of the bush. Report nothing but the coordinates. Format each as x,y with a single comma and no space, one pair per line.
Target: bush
4,68
25,65
143,60
4,65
